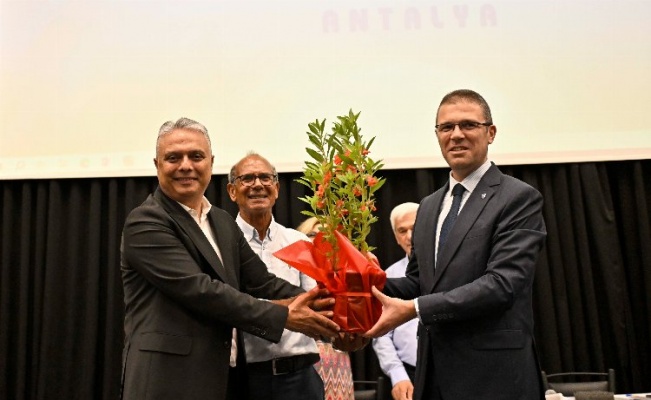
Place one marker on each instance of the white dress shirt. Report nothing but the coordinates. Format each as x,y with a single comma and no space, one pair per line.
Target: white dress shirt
399,345
291,343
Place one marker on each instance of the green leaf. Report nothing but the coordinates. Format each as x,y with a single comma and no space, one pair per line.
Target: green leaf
308,213
314,154
306,183
314,127
315,141
377,186
312,165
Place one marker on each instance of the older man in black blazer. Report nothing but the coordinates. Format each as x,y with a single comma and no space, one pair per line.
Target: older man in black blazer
192,283
472,268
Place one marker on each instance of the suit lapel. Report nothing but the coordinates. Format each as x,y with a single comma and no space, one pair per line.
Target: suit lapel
429,214
478,199
194,232
223,242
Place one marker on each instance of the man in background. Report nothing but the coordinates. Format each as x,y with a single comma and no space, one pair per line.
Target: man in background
192,284
283,370
396,350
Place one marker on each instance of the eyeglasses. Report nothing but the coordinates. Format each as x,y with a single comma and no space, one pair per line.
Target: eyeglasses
249,179
464,126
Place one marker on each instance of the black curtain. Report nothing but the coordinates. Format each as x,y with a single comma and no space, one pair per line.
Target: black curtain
61,306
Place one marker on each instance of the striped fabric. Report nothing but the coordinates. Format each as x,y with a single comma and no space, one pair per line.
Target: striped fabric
334,369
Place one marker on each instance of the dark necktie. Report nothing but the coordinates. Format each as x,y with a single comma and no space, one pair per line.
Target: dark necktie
448,223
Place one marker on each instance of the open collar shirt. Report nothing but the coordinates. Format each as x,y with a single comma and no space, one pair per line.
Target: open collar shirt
399,345
277,237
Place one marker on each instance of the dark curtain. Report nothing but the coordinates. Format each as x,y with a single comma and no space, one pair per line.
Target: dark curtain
61,305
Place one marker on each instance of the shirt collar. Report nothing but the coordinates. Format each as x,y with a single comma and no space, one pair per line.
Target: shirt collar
205,209
251,233
472,180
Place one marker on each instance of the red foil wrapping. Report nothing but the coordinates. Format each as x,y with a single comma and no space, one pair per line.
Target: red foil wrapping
356,310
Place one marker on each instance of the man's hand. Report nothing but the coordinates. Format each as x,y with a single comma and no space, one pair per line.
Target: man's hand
395,312
403,390
321,303
349,342
284,302
315,324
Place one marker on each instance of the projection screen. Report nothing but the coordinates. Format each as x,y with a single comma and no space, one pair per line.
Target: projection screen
85,85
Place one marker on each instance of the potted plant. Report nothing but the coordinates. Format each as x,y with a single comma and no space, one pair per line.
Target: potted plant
342,178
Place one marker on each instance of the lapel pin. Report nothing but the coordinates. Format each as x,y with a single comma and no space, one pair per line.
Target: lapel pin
483,195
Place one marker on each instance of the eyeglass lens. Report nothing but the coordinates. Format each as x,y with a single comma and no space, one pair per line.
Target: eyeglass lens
249,179
464,126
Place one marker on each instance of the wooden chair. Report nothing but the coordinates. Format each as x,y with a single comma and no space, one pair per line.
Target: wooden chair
568,383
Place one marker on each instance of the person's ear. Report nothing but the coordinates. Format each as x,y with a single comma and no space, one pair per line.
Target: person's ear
232,191
492,131
277,189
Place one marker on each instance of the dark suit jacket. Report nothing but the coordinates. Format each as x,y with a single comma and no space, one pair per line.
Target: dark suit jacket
475,306
182,303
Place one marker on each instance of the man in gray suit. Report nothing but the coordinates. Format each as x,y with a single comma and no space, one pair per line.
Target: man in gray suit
192,284
475,246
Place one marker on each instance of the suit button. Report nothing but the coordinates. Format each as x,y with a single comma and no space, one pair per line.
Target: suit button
227,344
263,332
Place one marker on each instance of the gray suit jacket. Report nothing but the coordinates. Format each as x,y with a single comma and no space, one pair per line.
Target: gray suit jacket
182,302
476,336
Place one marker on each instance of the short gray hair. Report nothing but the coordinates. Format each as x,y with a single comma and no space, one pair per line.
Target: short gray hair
400,210
251,153
182,123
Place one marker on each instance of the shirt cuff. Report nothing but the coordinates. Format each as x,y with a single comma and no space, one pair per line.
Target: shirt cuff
398,375
417,309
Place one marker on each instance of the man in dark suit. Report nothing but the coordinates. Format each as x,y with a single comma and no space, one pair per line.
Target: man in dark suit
192,284
472,268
